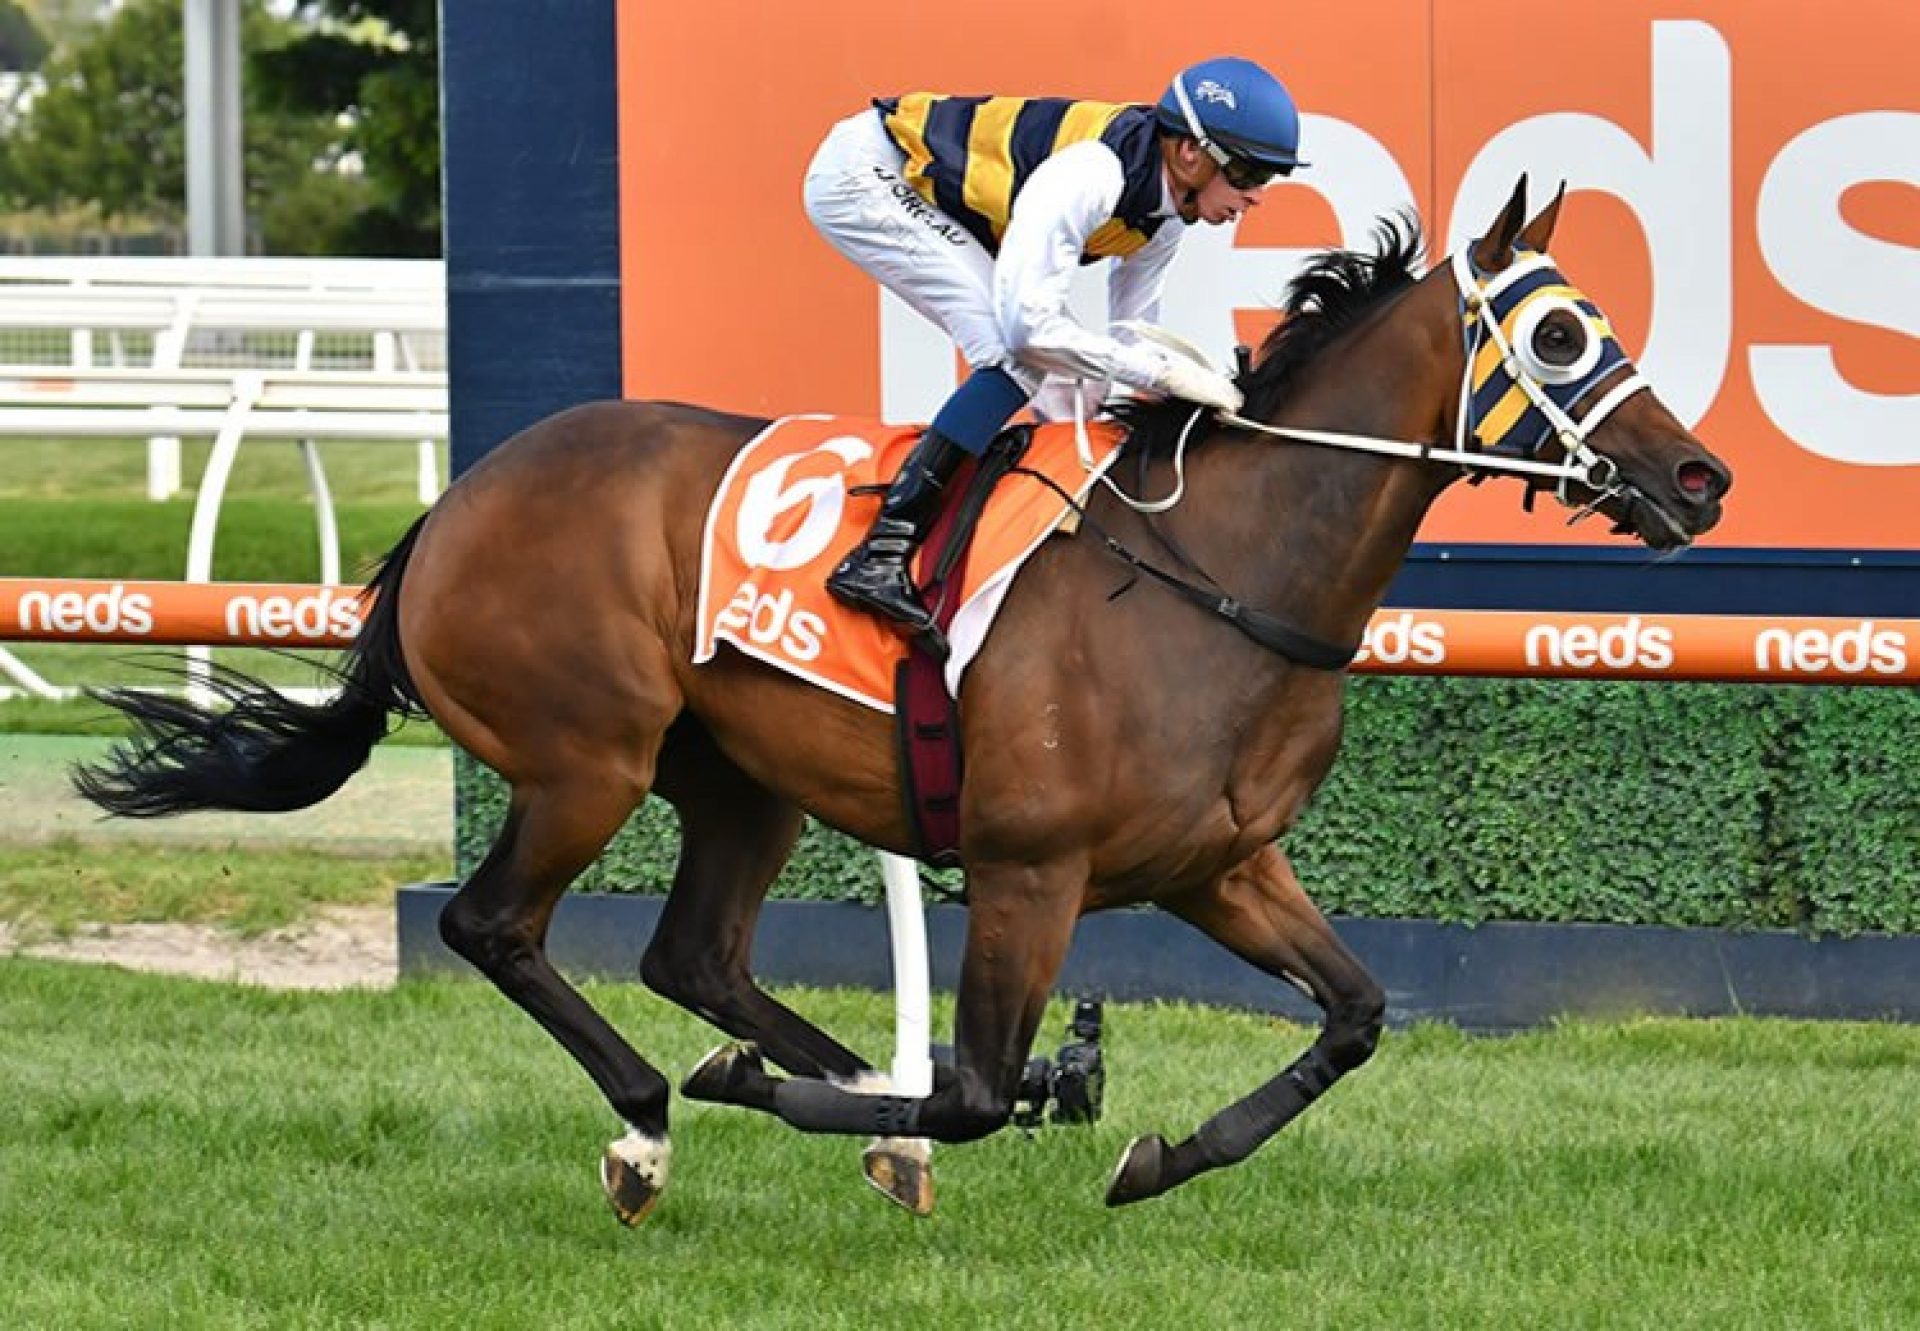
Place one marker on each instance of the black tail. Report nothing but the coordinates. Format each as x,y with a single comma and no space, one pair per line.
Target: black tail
256,750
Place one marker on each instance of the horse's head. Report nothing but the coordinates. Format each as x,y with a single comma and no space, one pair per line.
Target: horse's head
1546,382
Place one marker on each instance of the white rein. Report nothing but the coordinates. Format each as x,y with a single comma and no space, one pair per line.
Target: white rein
1581,465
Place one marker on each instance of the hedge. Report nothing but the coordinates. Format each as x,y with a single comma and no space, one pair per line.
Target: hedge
1737,806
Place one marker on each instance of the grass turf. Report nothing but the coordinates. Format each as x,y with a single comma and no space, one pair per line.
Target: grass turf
60,888
187,1154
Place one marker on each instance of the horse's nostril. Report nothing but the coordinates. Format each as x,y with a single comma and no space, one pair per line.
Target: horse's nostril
1697,480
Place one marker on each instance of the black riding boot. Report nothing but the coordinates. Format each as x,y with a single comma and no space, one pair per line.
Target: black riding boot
875,577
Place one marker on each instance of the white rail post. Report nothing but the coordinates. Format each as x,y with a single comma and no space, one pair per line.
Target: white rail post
912,978
427,473
323,514
206,516
29,680
163,451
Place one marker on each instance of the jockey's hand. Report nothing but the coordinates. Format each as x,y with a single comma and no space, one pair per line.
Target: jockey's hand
1184,379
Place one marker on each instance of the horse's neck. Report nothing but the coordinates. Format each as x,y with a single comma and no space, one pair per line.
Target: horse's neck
1315,534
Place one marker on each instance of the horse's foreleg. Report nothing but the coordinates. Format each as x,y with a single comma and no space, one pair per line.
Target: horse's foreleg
1260,912
1020,920
498,921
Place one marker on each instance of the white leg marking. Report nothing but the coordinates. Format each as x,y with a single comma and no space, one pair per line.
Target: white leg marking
646,1155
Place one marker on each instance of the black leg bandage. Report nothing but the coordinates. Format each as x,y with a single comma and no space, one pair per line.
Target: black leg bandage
1234,1133
818,1106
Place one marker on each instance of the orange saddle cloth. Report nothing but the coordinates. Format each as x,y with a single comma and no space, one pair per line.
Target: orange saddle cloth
784,517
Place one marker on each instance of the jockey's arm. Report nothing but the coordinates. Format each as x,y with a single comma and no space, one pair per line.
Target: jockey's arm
1067,198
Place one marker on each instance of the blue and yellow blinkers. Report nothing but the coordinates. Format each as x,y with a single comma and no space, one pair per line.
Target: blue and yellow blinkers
1537,366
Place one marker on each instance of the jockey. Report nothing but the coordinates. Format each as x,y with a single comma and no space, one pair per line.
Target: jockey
977,210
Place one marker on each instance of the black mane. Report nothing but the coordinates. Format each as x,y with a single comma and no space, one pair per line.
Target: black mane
1333,293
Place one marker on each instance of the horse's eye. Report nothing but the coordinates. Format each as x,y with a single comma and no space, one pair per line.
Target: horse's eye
1559,339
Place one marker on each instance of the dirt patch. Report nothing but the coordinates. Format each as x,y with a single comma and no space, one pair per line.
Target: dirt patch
344,948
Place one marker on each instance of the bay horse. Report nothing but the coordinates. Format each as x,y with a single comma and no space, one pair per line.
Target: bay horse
542,612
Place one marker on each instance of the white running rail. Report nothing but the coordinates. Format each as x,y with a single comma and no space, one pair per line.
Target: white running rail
165,313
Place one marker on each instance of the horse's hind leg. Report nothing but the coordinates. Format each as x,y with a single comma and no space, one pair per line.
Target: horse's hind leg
1019,922
498,921
1261,913
735,835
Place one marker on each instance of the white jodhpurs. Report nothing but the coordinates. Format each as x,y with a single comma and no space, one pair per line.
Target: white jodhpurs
858,199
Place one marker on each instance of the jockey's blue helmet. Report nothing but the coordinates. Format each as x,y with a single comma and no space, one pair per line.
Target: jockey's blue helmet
1235,109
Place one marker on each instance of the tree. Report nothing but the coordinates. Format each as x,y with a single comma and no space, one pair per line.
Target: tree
372,66
106,130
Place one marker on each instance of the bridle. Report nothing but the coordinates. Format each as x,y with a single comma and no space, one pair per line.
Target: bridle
1512,404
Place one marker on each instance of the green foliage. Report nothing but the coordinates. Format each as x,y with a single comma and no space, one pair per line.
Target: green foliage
1471,800
1845,829
107,130
372,66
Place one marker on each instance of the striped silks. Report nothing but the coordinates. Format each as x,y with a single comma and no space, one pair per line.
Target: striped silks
969,157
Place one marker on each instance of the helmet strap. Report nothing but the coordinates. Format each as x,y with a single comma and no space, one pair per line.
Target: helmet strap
1192,118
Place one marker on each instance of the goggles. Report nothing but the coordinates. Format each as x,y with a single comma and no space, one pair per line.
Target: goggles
1243,174
1240,172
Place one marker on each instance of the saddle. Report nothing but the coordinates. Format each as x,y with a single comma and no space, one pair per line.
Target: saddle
926,717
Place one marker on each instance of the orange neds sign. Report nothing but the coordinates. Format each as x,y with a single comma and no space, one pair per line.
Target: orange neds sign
1402,642
178,614
1745,205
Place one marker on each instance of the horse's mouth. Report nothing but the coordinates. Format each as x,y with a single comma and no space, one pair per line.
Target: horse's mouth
1660,523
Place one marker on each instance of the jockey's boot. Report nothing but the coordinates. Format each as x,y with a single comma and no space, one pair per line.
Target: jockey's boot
875,576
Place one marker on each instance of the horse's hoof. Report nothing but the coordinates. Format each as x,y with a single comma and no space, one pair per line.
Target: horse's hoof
902,1169
723,1074
1138,1175
634,1174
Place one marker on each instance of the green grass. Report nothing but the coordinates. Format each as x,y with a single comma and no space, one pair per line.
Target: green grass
63,866
40,716
191,1155
78,509
94,470
64,886
258,540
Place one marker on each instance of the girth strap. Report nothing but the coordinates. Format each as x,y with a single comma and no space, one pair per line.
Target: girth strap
927,723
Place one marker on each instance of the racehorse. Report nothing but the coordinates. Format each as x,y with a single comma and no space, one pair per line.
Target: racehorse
542,612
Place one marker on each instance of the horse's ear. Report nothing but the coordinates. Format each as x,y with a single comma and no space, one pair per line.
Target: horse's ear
1540,230
1493,251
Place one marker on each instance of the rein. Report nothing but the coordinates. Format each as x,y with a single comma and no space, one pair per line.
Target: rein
1525,292
1481,308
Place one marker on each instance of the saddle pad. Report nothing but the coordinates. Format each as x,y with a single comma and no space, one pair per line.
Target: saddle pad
784,516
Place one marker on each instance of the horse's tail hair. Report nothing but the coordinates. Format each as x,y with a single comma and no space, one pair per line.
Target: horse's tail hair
256,750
